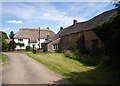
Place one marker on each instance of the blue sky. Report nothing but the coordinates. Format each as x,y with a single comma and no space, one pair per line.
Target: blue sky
16,15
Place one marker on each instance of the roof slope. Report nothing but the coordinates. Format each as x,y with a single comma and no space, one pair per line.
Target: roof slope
33,33
58,35
82,26
90,24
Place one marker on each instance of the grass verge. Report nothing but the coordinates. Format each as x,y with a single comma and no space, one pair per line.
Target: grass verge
2,58
73,70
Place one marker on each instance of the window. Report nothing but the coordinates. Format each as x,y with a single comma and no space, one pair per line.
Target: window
20,39
95,44
55,46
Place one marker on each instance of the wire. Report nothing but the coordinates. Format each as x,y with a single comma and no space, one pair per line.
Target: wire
67,13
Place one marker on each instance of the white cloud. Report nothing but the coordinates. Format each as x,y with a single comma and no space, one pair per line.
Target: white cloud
15,21
46,14
47,11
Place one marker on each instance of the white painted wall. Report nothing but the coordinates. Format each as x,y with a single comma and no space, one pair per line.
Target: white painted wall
25,41
31,45
41,41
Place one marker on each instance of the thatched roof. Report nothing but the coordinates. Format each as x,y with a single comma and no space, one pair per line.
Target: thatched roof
33,33
82,26
90,24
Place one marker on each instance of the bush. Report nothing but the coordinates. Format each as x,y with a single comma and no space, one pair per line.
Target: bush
70,54
28,48
109,33
34,51
93,60
12,45
20,44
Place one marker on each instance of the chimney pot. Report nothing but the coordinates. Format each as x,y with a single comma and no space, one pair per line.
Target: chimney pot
74,22
61,28
48,28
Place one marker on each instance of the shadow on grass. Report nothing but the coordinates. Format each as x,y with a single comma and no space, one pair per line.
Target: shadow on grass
95,76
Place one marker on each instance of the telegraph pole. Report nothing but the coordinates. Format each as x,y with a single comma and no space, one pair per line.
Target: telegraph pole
39,37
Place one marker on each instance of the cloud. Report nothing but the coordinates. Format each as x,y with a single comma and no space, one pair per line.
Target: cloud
47,11
56,14
15,21
46,15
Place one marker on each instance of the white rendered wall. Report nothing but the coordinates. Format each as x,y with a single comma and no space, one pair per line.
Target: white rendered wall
25,41
31,45
41,41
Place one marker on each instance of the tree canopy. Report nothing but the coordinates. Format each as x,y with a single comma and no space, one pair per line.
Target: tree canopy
11,35
109,33
3,43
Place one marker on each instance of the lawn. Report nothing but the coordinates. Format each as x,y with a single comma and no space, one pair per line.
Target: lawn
73,70
2,58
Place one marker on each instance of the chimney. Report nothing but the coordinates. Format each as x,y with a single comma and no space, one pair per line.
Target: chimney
74,22
48,28
61,28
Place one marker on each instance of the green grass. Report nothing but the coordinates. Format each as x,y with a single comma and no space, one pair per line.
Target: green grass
74,70
2,58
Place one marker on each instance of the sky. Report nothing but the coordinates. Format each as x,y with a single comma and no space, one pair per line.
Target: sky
16,15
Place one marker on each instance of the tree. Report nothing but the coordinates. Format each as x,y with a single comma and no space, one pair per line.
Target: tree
117,3
109,33
3,43
11,35
12,44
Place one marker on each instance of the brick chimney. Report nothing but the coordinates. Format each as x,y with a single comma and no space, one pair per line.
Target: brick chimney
61,28
48,28
74,22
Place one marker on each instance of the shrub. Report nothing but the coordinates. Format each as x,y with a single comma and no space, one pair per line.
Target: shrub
93,60
28,48
109,33
34,51
70,54
12,45
20,44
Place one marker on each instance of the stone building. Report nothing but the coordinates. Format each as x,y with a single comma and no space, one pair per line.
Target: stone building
79,33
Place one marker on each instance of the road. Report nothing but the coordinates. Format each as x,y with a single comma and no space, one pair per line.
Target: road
21,69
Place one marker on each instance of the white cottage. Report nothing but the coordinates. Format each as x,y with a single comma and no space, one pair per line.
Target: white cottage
30,37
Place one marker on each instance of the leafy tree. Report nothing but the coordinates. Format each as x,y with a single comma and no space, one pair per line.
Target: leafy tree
12,44
3,43
109,33
117,3
11,35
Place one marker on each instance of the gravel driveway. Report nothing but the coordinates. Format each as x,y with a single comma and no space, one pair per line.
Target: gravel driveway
21,69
